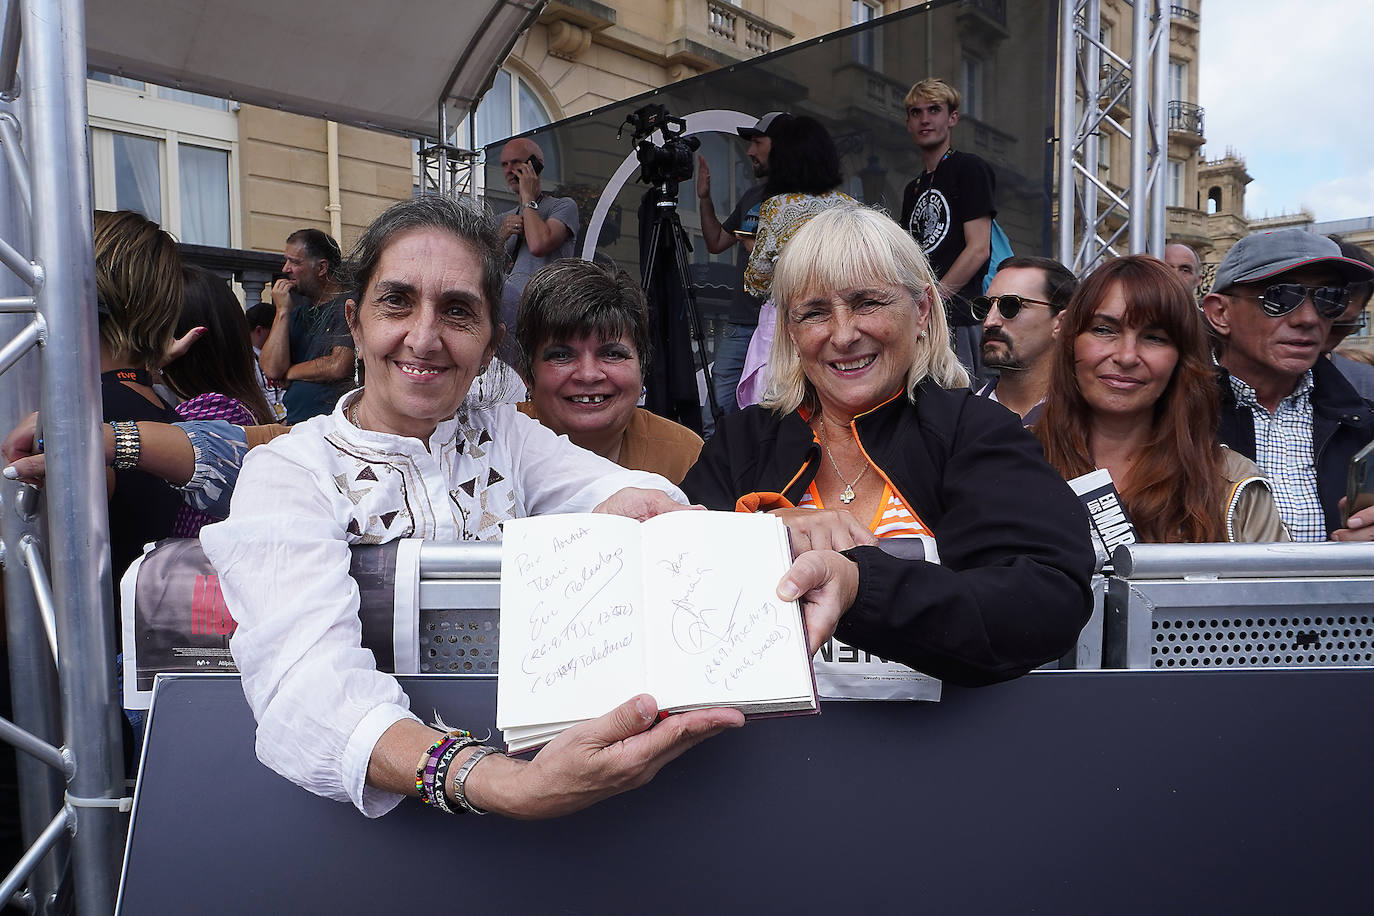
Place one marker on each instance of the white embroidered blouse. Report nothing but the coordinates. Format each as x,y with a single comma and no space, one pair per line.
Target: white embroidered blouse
283,562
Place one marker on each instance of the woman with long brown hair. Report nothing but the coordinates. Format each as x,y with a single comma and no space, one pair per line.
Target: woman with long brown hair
1133,390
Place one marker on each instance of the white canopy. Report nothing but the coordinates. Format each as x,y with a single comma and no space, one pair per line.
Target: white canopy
382,64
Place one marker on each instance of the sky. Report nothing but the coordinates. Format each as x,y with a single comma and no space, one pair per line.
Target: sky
1287,86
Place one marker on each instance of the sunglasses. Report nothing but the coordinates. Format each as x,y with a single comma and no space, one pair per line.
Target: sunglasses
1281,298
1009,305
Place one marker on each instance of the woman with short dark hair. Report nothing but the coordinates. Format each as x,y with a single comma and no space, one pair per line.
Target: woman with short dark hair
583,349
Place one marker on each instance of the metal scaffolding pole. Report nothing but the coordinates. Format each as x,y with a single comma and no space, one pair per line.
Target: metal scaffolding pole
1093,82
33,674
78,537
1160,124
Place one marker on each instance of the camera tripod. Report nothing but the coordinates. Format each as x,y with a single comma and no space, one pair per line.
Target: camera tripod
668,247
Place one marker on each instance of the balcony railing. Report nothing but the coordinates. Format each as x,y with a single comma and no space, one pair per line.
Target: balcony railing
996,10
1180,11
752,34
1111,81
1186,117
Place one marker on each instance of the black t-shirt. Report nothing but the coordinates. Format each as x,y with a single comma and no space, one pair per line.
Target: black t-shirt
744,308
142,507
935,207
315,331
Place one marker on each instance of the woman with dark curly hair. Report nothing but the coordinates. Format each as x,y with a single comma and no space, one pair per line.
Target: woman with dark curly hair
803,178
1133,390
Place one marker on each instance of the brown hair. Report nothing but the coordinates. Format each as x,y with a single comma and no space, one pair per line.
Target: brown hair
221,361
138,286
1176,492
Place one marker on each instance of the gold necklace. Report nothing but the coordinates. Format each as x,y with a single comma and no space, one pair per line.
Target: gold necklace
847,496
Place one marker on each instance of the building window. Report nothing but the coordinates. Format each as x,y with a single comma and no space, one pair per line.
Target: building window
511,106
866,47
1104,153
168,154
1176,182
1178,81
972,88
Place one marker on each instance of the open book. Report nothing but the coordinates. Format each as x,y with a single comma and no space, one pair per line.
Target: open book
598,608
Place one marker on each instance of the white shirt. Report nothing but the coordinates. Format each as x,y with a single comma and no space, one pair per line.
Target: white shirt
283,560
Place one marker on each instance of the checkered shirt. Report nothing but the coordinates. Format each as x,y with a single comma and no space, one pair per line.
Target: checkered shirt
1283,450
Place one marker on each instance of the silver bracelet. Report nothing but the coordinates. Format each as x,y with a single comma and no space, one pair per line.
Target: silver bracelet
126,444
460,780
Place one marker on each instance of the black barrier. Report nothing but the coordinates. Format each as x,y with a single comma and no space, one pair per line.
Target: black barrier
1076,792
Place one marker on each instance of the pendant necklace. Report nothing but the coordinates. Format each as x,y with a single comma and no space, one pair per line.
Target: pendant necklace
847,496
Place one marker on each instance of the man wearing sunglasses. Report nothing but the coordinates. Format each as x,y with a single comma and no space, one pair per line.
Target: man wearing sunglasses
1275,297
1020,315
1354,318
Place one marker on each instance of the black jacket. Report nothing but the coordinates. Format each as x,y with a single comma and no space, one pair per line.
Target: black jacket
1012,589
1342,424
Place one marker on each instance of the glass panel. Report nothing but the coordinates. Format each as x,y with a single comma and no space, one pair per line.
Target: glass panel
494,113
861,108
113,80
865,43
138,175
532,111
192,98
204,196
533,114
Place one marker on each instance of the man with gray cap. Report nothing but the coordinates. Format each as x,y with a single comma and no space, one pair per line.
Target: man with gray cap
733,343
1272,305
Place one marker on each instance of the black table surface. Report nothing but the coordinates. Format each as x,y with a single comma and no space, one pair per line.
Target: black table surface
1063,792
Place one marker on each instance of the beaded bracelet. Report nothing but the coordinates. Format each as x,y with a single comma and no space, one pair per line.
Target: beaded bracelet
424,771
460,781
439,791
126,445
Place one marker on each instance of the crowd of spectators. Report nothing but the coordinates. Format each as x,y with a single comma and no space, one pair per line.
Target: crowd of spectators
910,409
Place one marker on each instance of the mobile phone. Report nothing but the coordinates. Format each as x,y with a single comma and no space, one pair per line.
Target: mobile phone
536,163
1359,486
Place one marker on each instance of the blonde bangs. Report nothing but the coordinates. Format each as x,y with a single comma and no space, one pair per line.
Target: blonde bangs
843,248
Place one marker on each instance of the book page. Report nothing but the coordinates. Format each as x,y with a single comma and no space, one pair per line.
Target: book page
571,641
717,632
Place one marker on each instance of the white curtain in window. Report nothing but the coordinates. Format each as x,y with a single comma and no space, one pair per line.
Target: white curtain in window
138,178
204,196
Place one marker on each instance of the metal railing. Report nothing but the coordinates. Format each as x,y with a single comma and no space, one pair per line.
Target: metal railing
1186,117
65,719
996,10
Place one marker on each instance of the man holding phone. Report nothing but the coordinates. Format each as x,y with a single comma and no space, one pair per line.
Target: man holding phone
1272,305
539,231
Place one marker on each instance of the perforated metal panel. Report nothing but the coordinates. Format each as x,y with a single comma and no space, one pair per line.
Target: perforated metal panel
1241,641
460,626
1239,623
459,640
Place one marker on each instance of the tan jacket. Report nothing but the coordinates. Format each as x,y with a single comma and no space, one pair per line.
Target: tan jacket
1251,516
651,443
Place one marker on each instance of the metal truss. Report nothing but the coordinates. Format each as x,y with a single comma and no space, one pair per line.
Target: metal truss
57,596
1102,93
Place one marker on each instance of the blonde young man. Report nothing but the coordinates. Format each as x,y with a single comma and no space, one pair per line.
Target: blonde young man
948,209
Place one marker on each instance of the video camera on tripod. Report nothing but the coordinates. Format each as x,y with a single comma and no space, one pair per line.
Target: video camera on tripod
665,271
666,165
